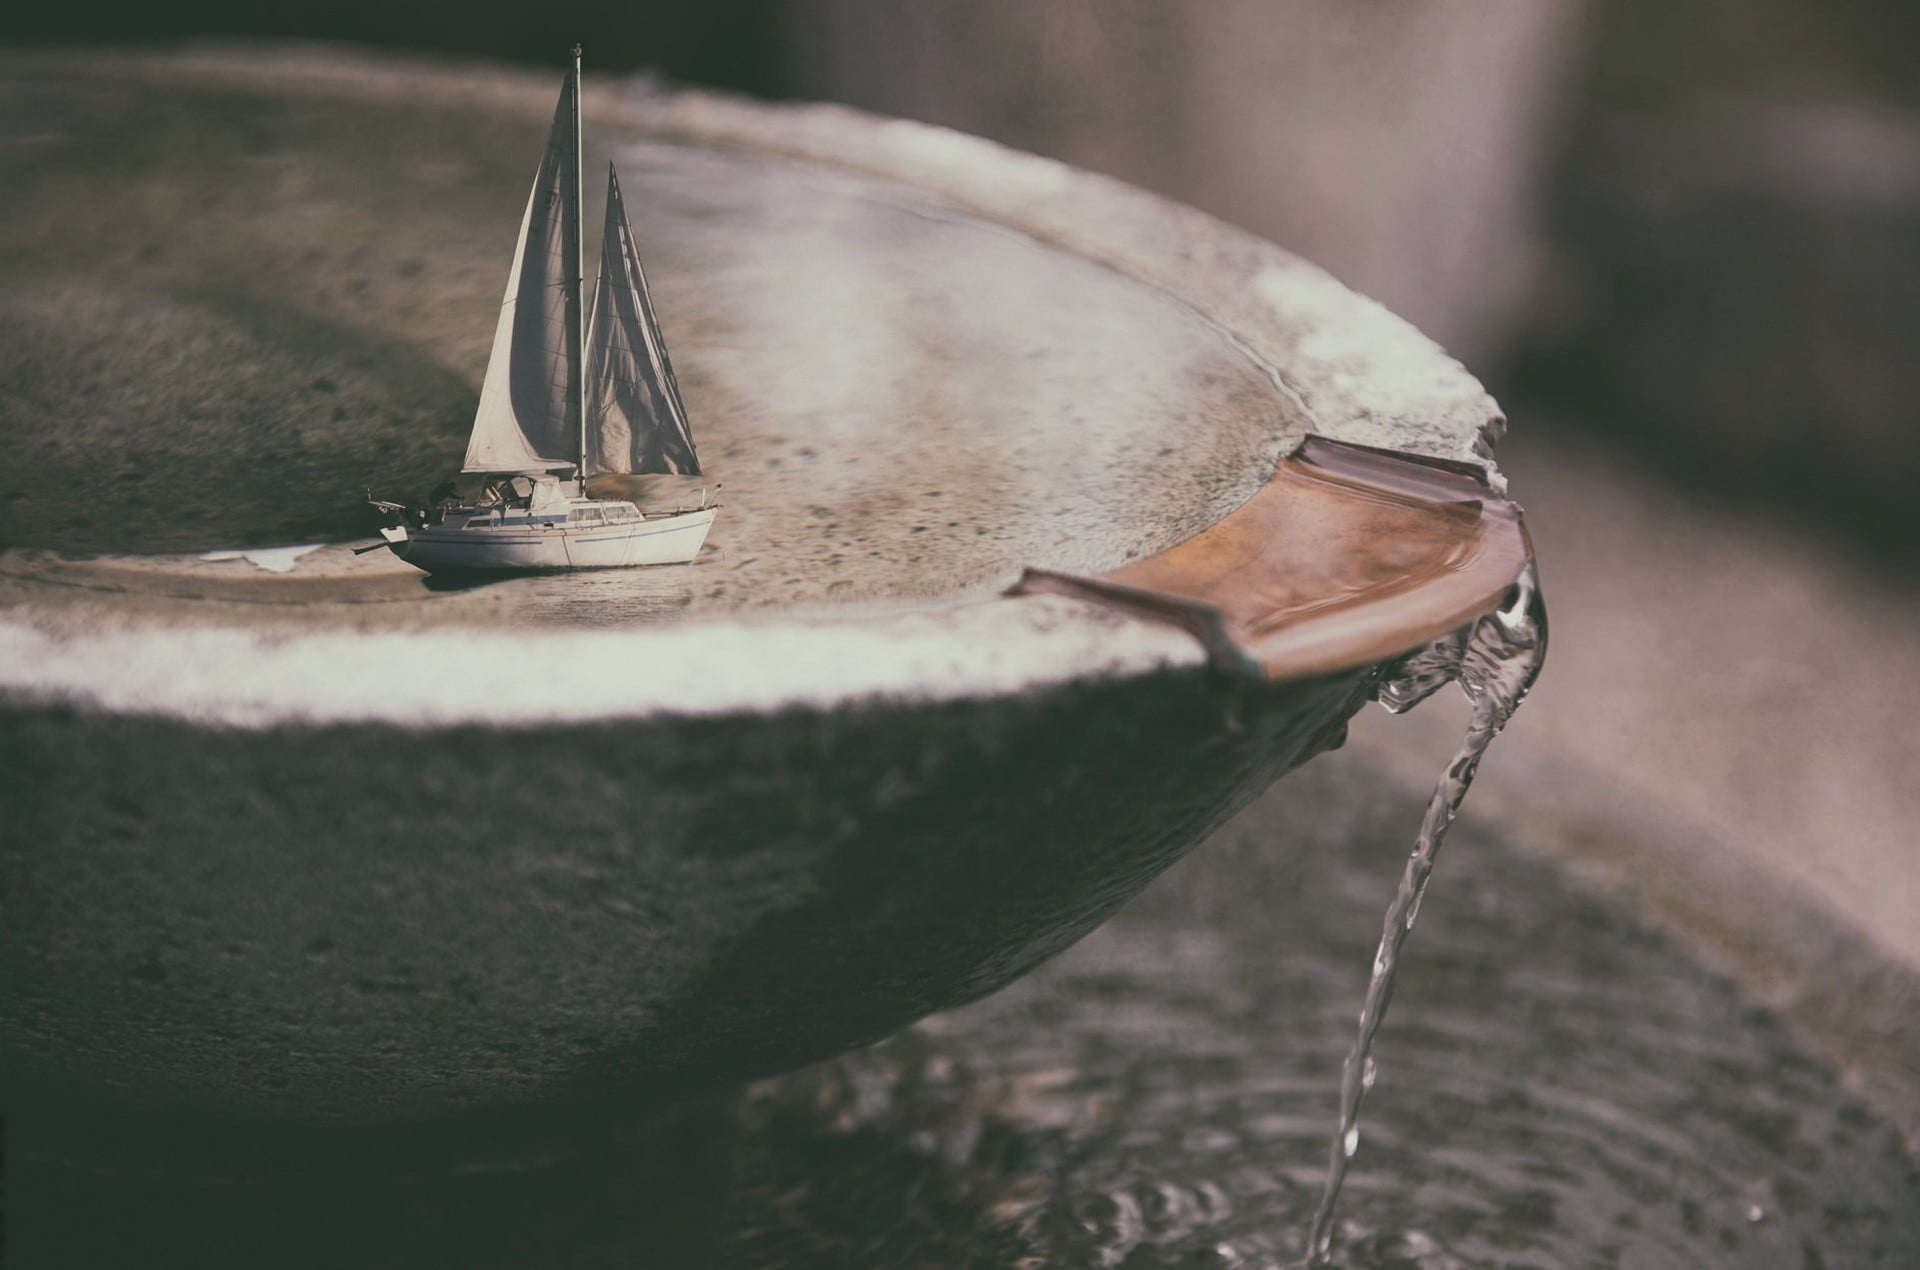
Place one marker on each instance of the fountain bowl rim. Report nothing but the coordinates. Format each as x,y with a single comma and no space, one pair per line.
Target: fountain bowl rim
1355,372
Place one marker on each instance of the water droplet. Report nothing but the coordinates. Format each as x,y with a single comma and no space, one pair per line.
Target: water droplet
1756,1214
1369,1072
1351,1142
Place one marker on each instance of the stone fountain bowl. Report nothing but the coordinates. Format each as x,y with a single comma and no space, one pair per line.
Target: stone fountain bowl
1015,594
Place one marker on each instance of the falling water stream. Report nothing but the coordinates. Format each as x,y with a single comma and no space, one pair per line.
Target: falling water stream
1495,661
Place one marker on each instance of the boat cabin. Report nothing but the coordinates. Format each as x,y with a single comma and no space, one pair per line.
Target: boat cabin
529,500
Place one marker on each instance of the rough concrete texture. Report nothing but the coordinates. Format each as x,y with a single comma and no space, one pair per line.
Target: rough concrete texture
353,925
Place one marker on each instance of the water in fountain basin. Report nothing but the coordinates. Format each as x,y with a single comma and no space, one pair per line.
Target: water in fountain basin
1495,661
1562,1088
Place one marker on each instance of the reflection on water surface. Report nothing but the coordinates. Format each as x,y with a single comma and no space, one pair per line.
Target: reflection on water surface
1562,1088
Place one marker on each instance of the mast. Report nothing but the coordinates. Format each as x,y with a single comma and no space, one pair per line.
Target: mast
579,280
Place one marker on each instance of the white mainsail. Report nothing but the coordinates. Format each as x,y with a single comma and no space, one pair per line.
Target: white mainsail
529,418
638,423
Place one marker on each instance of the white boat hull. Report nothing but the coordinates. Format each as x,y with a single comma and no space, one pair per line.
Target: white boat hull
515,548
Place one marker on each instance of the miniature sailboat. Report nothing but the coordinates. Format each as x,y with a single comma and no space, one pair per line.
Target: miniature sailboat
568,395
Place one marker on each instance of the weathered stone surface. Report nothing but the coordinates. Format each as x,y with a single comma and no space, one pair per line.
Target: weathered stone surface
331,848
